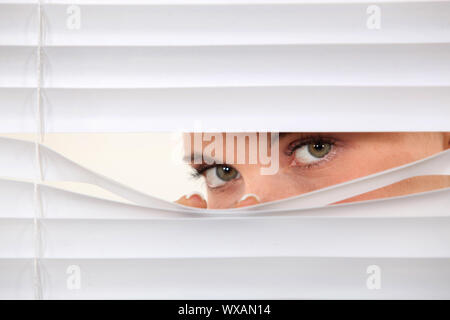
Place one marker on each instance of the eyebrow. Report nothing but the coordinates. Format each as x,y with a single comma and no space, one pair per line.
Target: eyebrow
190,158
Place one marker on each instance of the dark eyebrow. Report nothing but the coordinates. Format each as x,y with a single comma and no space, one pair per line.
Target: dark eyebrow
190,158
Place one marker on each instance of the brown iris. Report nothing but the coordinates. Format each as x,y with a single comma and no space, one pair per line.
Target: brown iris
319,149
226,173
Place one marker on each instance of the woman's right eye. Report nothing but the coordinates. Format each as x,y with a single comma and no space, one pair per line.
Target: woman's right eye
219,175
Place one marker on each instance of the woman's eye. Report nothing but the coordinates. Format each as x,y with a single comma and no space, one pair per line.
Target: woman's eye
219,175
312,152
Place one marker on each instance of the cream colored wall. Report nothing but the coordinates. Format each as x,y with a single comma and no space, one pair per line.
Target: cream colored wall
143,161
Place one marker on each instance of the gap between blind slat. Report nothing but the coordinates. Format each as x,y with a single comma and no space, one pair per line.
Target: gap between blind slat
56,167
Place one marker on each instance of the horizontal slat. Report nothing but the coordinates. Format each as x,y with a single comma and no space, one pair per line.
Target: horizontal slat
248,24
218,66
181,109
417,237
236,278
262,278
214,2
17,202
62,204
224,22
10,2
248,237
144,67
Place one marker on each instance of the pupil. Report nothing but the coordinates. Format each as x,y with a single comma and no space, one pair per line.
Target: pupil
319,147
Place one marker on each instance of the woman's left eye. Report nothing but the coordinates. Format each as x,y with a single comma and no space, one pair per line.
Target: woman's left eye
219,175
312,152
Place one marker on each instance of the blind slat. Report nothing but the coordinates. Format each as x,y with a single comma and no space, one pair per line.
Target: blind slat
142,110
224,22
219,66
414,237
251,237
248,24
251,278
213,66
181,109
236,278
60,204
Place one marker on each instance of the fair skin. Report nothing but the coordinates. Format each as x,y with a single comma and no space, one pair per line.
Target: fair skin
311,161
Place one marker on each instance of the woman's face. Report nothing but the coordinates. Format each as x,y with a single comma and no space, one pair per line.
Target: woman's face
310,161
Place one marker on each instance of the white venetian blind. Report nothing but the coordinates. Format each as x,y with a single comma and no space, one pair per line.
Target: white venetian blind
255,65
164,65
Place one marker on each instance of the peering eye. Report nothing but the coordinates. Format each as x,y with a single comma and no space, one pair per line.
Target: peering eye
219,175
312,152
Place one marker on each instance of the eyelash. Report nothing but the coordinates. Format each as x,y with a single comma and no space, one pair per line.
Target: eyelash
307,140
198,171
